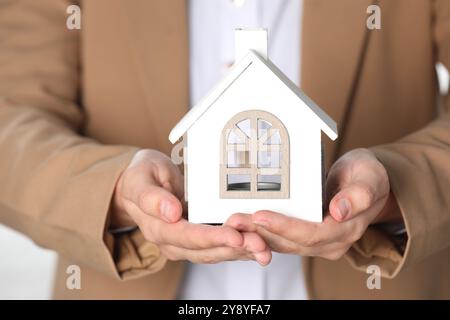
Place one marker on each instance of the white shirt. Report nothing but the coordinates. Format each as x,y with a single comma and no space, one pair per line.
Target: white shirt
211,30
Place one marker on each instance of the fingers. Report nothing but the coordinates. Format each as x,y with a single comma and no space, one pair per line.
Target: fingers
242,222
205,256
153,197
303,233
352,200
156,202
160,203
259,253
253,242
278,243
264,257
356,183
299,231
356,198
332,248
329,239
195,242
152,183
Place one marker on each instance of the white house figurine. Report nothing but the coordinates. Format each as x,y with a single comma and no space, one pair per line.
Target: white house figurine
253,142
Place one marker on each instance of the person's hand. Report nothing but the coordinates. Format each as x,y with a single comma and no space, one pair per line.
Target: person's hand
149,194
358,194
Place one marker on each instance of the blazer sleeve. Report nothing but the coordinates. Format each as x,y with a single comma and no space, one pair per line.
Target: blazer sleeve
56,185
419,171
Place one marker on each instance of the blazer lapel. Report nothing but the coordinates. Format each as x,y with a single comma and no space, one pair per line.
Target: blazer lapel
158,45
334,41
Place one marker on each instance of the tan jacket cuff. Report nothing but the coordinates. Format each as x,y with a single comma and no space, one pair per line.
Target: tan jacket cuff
388,251
134,256
127,255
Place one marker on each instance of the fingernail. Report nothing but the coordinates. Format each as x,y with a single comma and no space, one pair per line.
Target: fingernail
166,210
343,207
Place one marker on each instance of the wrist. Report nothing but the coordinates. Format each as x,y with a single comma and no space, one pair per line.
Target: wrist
119,218
391,212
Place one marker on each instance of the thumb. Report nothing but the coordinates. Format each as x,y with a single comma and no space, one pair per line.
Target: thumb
352,200
160,203
141,190
149,186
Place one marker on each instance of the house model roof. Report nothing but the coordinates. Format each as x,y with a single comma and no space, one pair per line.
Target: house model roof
327,125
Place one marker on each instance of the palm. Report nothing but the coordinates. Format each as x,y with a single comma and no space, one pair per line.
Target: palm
357,190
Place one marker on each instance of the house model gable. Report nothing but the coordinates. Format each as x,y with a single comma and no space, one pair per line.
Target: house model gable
254,143
327,124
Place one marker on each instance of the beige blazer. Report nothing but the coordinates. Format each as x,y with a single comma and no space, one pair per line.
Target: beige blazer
76,104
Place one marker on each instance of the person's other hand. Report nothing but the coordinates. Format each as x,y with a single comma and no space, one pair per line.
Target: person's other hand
358,194
149,194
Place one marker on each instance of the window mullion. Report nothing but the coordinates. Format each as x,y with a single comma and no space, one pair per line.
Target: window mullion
238,171
254,154
267,135
269,171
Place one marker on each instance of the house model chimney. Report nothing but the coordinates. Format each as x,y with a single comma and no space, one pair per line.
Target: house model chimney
250,39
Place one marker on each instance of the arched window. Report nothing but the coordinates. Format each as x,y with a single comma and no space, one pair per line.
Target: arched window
254,157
